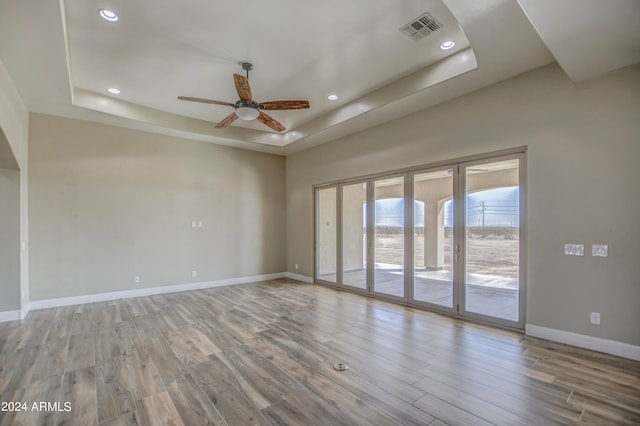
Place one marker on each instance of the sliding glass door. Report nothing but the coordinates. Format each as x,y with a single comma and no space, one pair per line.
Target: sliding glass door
326,235
389,236
354,235
492,252
448,238
433,221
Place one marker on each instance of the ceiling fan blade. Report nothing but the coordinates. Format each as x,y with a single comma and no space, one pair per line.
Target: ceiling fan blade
228,120
271,122
243,88
280,105
205,101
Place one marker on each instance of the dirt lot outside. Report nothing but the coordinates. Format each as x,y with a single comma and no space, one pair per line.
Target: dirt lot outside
490,251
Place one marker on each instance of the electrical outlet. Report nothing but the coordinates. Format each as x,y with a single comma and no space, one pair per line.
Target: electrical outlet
595,318
296,266
194,274
193,223
136,279
199,224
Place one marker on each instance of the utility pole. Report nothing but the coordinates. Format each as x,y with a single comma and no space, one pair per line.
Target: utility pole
484,208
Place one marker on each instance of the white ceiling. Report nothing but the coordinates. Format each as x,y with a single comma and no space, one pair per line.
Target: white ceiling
588,37
63,57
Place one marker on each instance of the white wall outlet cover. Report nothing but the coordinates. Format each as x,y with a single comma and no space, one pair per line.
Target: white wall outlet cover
193,223
193,274
595,318
599,250
574,249
199,224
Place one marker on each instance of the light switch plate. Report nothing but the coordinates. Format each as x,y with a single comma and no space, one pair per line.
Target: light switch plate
574,249
599,250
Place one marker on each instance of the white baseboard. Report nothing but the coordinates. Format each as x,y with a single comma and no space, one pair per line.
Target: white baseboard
149,291
9,316
611,347
302,278
14,315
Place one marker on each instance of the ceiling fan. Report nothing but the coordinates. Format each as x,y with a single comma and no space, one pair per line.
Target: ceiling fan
248,109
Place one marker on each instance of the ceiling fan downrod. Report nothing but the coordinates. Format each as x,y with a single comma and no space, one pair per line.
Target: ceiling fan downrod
247,66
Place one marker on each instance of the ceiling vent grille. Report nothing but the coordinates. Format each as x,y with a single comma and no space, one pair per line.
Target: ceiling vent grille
421,27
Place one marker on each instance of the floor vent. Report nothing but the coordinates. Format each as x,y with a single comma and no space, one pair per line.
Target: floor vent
340,366
421,27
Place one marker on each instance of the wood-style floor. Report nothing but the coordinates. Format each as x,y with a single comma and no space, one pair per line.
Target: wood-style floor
262,354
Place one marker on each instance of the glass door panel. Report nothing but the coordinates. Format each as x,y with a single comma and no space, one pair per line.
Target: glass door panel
492,239
354,235
326,235
447,238
389,228
433,238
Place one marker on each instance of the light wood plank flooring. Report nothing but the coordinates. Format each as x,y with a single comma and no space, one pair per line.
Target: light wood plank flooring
262,354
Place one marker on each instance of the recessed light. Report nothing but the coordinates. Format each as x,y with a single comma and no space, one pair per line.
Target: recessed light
332,97
113,90
108,15
447,45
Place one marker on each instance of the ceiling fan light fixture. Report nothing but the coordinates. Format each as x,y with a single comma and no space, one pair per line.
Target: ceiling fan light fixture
108,15
247,113
332,97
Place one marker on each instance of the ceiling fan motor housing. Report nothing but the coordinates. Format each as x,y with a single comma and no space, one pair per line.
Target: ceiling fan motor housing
245,104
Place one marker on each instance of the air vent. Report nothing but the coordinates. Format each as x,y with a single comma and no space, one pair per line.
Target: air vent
421,27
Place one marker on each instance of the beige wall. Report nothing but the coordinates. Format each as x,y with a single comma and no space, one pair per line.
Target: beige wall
583,174
14,227
109,203
9,240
